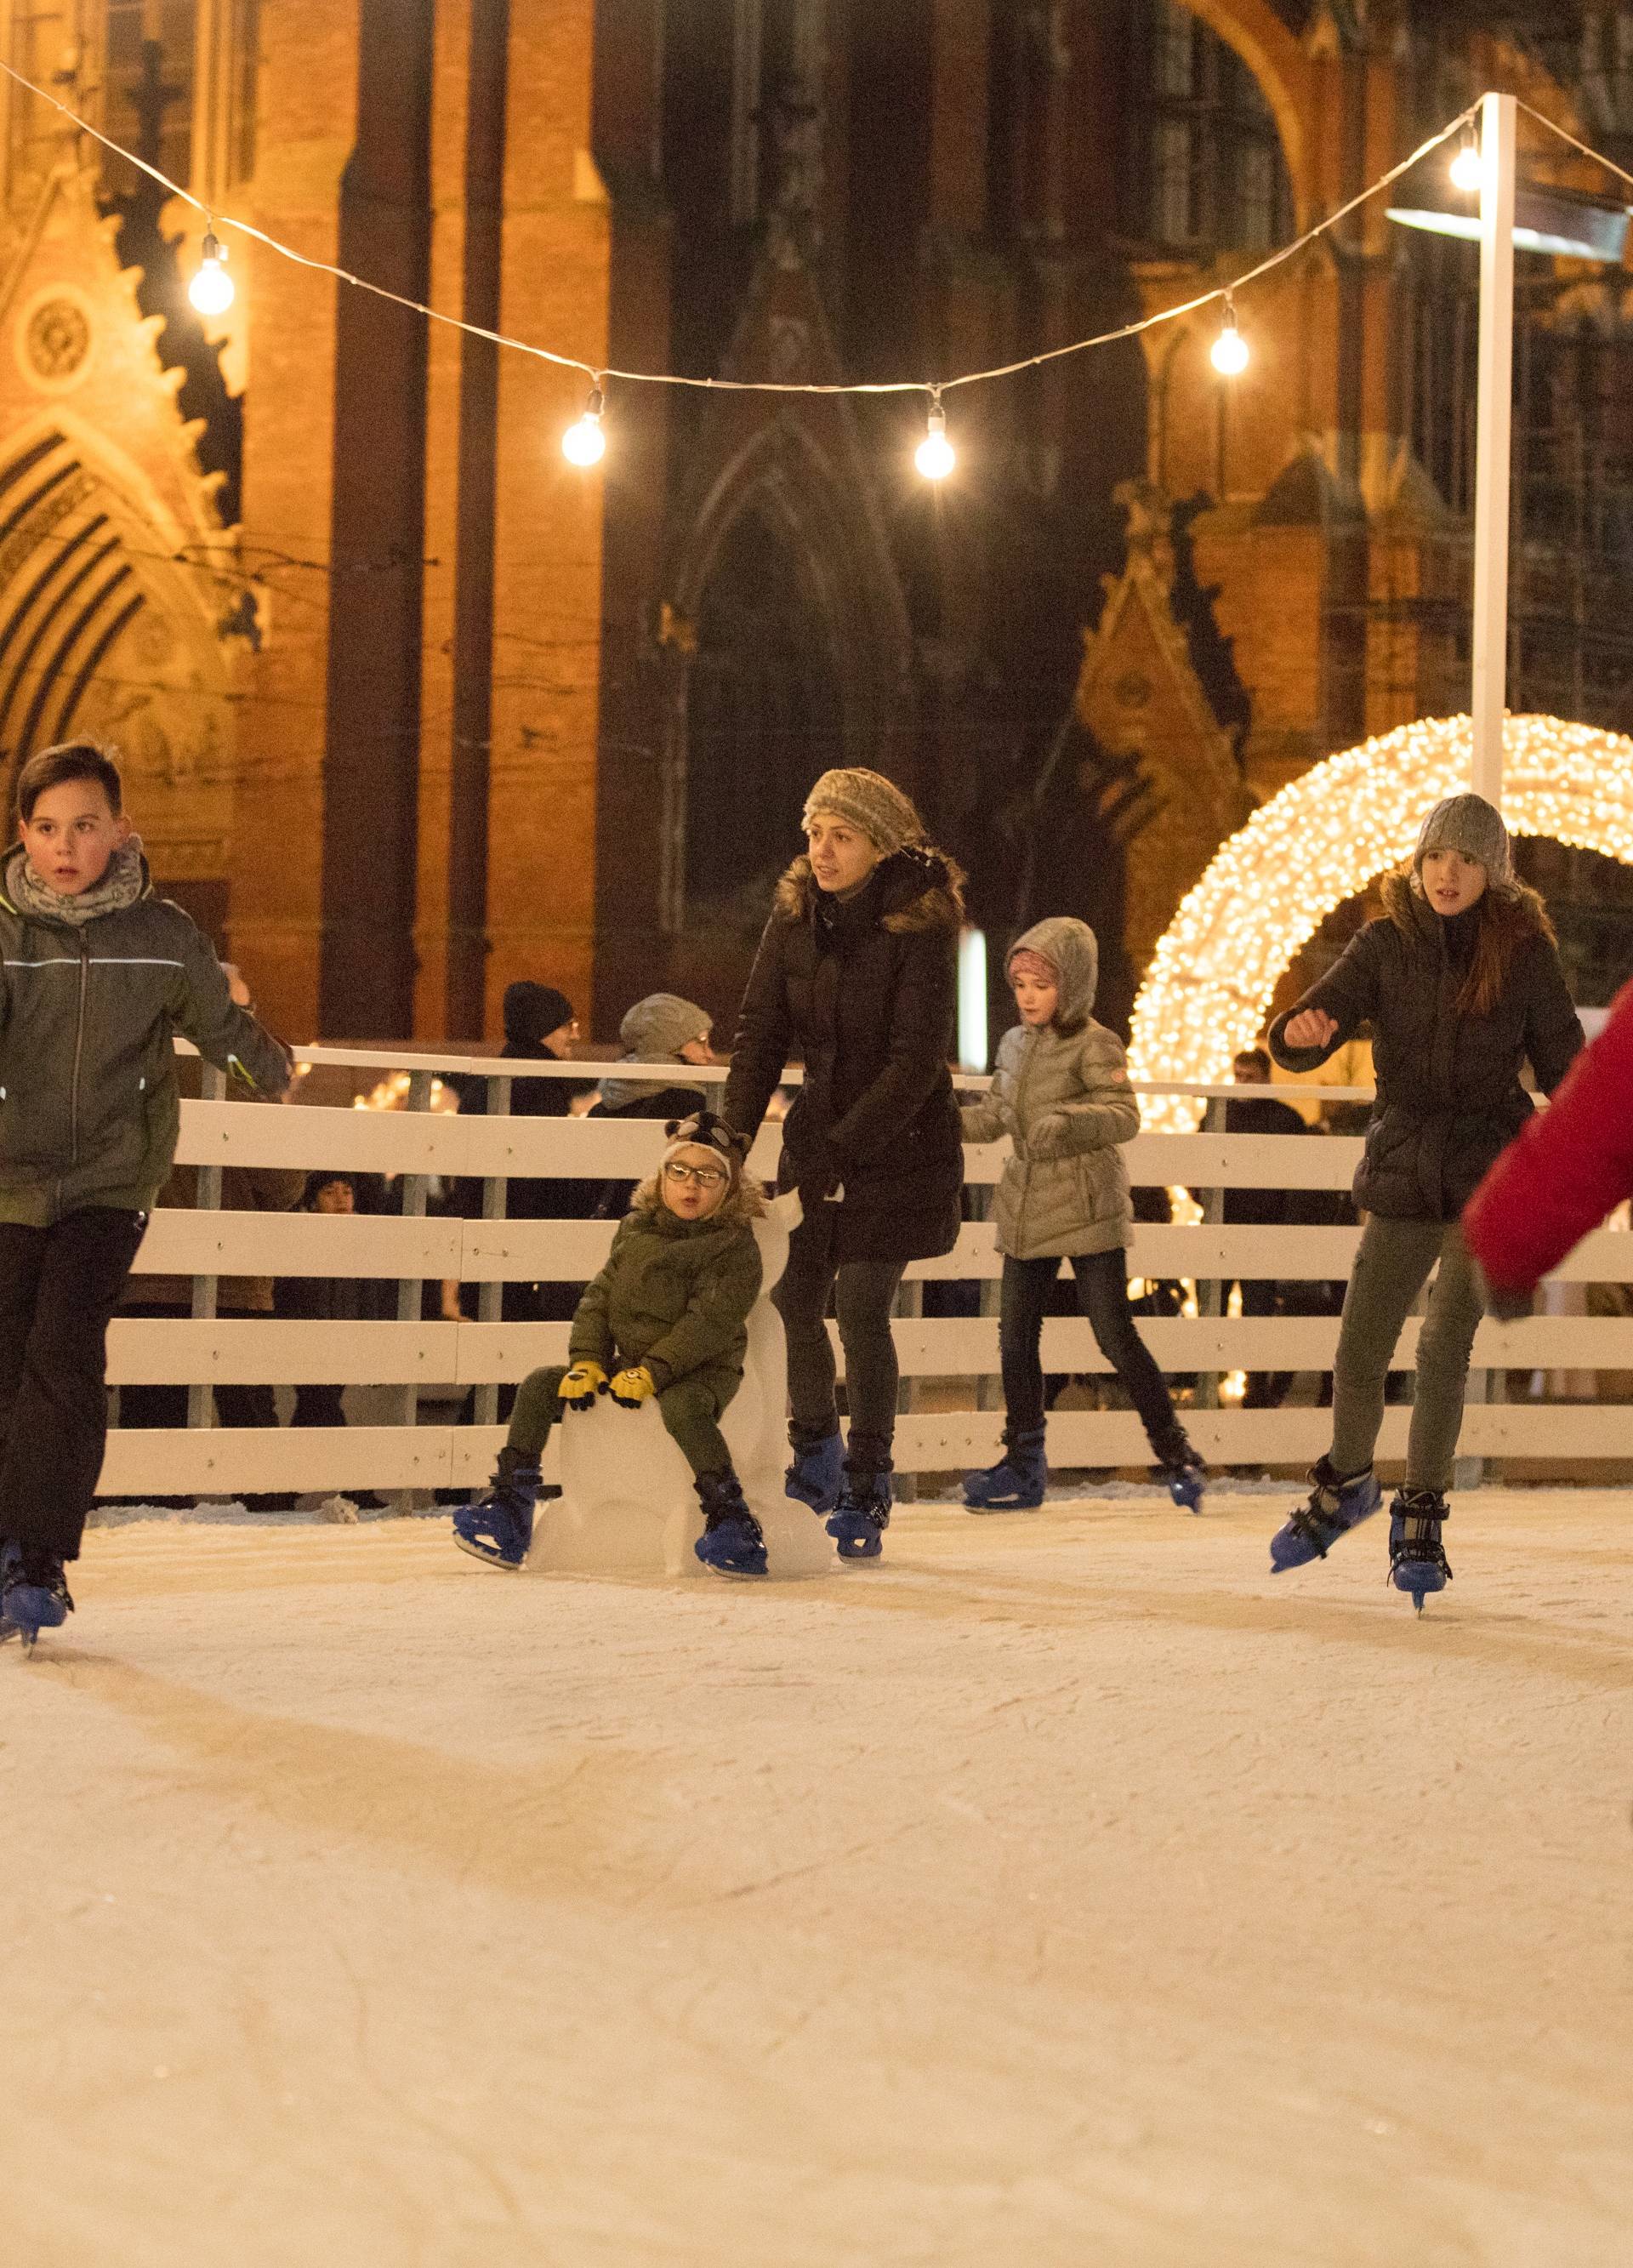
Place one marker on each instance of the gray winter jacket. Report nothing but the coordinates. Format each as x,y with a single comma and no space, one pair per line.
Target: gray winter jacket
1063,1098
89,1109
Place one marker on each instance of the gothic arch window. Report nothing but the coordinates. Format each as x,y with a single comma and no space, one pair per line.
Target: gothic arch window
1205,171
764,717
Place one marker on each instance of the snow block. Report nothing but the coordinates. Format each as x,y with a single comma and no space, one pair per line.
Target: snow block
628,1505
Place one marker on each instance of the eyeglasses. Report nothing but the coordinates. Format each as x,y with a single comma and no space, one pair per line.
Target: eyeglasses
705,1176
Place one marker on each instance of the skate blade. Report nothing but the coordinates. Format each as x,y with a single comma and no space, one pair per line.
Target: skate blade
490,1558
737,1574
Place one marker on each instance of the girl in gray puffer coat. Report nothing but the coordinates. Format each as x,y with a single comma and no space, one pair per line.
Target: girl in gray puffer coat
1061,1093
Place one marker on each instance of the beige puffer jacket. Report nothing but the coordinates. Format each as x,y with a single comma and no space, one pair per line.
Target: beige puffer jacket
1063,1098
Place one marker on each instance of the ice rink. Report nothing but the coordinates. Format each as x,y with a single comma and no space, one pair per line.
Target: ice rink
1062,1890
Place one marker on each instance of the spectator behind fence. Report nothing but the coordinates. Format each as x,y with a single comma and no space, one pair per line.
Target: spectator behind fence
239,1298
339,1299
1261,1297
662,1028
539,1026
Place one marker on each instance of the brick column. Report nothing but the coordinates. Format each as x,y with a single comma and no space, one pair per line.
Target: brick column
548,520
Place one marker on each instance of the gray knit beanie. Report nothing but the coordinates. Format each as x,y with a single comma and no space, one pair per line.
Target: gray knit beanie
869,802
660,1025
1469,824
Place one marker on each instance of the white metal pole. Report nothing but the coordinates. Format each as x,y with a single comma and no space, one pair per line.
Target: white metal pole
1499,152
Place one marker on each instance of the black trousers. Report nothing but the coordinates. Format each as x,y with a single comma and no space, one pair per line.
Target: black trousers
1103,1296
58,1288
864,1294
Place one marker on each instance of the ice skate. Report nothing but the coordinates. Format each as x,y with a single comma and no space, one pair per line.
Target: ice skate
1016,1483
817,1474
499,1527
1336,1506
34,1595
863,1514
732,1541
1418,1560
1184,1473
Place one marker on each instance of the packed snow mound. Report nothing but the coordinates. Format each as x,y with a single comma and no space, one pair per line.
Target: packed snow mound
628,1505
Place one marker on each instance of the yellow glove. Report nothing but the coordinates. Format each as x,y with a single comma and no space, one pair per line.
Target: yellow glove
631,1388
583,1382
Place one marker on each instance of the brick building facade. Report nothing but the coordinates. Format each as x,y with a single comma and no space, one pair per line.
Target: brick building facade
411,707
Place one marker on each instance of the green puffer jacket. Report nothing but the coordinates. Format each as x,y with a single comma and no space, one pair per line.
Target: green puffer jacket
675,1294
1064,1098
89,1113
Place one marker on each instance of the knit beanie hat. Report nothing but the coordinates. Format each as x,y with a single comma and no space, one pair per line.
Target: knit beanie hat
704,1130
869,802
1038,966
658,1027
531,1011
1469,824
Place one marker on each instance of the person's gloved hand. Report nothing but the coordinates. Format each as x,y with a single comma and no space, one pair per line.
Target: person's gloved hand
583,1382
1506,1305
1048,1136
631,1388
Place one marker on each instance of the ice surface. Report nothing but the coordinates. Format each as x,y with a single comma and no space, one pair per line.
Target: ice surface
627,1504
1061,1891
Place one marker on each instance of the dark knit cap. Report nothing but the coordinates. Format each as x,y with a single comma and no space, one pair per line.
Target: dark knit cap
533,1012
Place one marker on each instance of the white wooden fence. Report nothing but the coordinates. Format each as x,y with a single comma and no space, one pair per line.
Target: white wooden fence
431,1363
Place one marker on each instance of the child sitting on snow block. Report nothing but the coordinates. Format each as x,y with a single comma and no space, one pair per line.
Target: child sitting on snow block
667,1317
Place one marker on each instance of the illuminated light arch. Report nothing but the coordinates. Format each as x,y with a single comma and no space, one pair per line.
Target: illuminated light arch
1322,840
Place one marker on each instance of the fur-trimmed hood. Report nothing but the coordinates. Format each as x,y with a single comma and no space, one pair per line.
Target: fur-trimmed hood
918,889
1515,907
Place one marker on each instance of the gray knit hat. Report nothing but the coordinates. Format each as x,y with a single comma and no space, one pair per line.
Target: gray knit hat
1471,825
660,1025
869,802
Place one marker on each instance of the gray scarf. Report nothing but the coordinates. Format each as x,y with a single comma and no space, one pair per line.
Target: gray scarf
122,886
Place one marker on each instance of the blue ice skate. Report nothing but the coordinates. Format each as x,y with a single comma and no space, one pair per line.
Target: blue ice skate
863,1514
499,1527
1016,1483
1184,1473
1336,1506
1417,1561
817,1473
34,1595
732,1541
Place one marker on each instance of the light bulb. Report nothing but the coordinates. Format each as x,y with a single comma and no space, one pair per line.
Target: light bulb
936,456
1468,171
211,289
586,443
1230,348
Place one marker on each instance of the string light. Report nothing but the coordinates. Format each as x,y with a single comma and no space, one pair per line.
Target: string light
585,442
211,290
1468,171
936,456
1320,842
1230,348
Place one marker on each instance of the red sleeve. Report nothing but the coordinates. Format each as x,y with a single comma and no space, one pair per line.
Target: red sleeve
1571,1165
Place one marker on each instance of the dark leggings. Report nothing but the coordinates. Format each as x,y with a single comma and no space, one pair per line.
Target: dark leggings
1103,1296
864,1294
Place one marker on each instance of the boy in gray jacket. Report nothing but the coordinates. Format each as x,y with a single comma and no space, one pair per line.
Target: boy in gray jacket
96,975
1061,1092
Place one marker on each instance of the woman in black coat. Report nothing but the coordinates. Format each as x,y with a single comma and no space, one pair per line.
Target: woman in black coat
856,976
1462,985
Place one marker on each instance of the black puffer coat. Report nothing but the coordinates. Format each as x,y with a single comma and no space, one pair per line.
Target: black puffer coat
864,991
1449,1096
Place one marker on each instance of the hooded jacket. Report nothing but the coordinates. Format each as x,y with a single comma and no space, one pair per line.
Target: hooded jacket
1063,1098
675,1294
864,991
89,1107
1449,1095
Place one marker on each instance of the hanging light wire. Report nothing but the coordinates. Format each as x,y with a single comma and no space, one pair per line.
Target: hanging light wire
597,375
